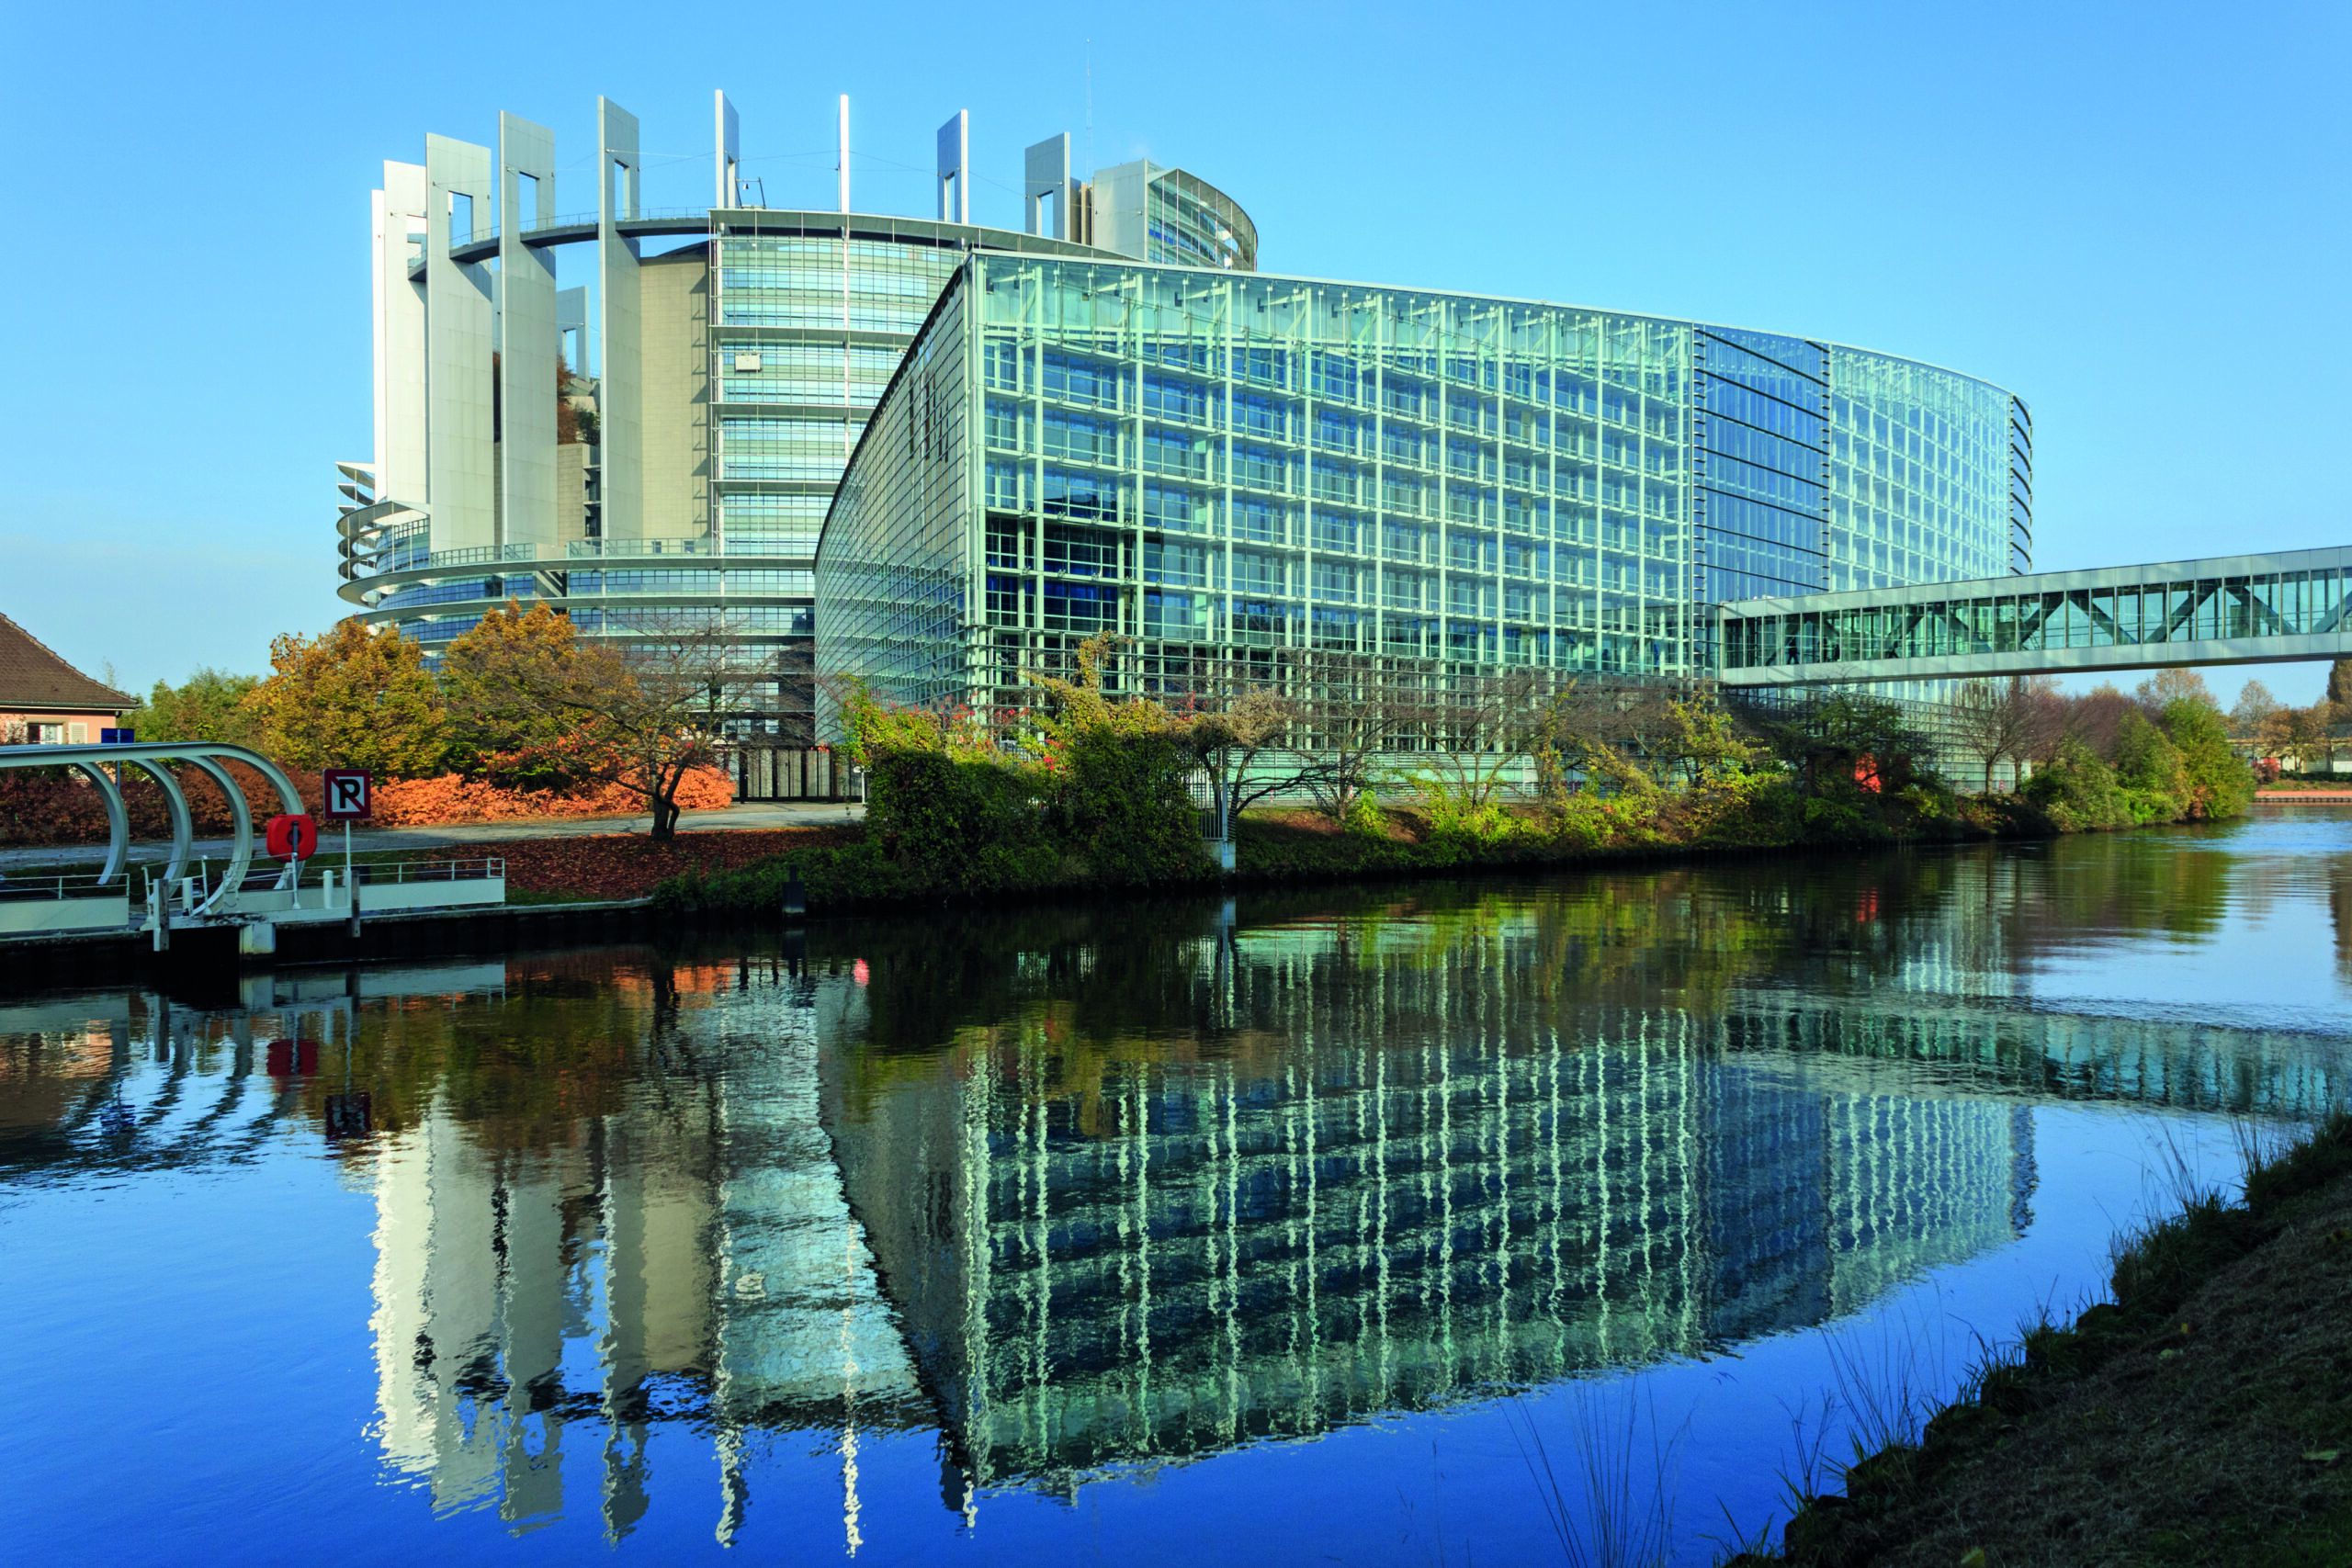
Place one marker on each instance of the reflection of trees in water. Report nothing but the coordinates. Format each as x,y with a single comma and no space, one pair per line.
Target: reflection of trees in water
2340,909
1148,1181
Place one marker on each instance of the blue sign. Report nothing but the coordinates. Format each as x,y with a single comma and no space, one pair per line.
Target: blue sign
118,737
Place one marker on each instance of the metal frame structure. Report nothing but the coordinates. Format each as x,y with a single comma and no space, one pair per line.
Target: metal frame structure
2244,609
148,756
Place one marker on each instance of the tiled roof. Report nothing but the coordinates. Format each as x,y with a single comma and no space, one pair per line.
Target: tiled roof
33,677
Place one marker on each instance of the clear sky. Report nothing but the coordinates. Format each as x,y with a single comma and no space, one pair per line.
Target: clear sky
2134,216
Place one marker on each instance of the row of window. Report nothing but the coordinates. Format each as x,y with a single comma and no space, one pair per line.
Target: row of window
1013,427
2278,604
1072,437
1624,637
1023,369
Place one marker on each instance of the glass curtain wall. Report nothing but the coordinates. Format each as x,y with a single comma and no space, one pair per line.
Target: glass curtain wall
1241,468
808,326
1760,496
1920,470
1190,222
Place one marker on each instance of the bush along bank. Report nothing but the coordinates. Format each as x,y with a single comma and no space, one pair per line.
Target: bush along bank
2203,1415
1093,799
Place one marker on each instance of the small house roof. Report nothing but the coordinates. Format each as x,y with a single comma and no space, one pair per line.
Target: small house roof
33,678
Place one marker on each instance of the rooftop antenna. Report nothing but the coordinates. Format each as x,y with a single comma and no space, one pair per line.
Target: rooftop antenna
1090,108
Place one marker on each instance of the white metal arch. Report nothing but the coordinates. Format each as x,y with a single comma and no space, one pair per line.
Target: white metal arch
149,756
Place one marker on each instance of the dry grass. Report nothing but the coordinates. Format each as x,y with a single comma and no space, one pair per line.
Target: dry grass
2180,1427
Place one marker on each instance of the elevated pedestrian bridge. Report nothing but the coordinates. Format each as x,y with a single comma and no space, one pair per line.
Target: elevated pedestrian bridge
2267,609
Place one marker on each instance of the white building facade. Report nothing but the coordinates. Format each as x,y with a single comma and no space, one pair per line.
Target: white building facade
654,449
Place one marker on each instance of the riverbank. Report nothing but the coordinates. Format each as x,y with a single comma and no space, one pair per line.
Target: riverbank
2202,1416
852,872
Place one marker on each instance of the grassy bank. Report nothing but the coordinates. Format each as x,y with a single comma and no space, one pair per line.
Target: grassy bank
2202,1416
1091,795
853,870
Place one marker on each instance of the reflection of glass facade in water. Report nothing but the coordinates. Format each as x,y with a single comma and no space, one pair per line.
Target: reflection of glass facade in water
1229,465
1112,1257
1084,1191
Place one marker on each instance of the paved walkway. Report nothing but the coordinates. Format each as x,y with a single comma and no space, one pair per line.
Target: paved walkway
755,816
2304,796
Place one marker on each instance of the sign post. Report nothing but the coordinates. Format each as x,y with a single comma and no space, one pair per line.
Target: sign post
350,796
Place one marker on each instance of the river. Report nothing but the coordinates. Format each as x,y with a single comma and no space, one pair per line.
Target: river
1409,1224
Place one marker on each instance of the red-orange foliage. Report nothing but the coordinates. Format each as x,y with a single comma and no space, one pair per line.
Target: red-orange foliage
410,803
48,810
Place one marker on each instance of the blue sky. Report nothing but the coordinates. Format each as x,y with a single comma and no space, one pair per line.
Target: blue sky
2133,216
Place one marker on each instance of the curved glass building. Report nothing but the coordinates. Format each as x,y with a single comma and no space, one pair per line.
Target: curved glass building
1220,466
655,449
1109,420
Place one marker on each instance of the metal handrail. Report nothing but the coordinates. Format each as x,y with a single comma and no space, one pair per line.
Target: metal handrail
21,889
580,549
488,868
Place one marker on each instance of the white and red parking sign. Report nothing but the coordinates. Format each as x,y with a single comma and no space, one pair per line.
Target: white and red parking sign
349,797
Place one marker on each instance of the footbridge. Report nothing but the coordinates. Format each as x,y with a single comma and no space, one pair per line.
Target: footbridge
2267,609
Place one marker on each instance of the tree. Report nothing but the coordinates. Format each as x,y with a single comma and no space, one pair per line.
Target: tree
2253,706
2078,791
2339,683
2220,783
208,706
1995,721
497,731
1472,729
1118,769
2166,687
1233,740
1832,739
2327,720
2092,718
2147,763
2289,734
350,697
646,715
1637,737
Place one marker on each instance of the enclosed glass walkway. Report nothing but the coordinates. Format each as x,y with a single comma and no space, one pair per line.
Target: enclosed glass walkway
2224,610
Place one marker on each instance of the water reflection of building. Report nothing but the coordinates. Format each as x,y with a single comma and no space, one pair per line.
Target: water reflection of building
683,1257
1136,1194
1390,1187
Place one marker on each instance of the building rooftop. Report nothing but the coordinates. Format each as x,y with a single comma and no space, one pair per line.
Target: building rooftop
32,677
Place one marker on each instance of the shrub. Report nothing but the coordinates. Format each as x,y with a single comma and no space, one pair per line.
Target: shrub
2220,781
1124,804
2078,792
955,821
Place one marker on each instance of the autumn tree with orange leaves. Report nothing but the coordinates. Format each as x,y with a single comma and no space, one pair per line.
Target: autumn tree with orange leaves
645,714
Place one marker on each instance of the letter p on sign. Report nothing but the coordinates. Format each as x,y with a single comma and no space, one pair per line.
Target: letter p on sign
349,794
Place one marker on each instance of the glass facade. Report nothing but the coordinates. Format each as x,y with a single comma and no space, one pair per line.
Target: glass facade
1190,222
805,327
2228,599
1222,465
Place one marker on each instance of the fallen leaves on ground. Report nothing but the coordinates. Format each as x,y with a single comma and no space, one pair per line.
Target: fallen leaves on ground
628,865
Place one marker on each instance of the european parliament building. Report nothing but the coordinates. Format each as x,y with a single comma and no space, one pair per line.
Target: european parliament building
1108,420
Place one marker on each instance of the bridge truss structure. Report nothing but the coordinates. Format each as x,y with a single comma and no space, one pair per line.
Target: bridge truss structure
2257,609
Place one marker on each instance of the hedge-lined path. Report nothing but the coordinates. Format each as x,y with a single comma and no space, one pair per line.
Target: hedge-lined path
764,815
